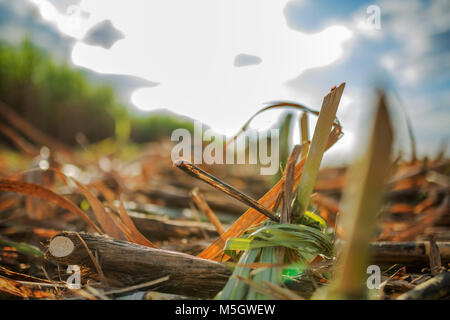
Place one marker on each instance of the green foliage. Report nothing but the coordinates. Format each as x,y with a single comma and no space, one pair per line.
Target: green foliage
54,97
157,126
307,242
285,138
273,243
62,101
22,247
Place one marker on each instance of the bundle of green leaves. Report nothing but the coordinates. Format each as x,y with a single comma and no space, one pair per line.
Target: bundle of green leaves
282,250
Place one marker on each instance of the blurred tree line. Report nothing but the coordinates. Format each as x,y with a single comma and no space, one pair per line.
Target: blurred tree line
62,101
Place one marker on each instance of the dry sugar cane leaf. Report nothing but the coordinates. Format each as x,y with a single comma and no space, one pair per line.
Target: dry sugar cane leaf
119,229
289,185
106,192
435,288
319,141
135,235
35,190
18,289
103,217
17,276
107,224
284,139
409,126
20,142
122,227
30,131
250,218
9,202
201,203
429,217
434,257
304,130
366,181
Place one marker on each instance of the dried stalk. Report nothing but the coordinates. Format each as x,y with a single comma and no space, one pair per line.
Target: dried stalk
361,202
318,145
288,186
304,130
126,264
198,173
204,207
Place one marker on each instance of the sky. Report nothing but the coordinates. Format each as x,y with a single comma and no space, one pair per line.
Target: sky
219,61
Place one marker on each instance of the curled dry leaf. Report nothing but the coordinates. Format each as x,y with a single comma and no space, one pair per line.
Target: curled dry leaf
103,217
134,235
35,190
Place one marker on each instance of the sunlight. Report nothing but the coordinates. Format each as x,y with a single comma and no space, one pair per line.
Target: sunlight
194,65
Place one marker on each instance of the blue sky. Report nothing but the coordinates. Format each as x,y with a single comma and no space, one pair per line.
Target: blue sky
414,41
300,49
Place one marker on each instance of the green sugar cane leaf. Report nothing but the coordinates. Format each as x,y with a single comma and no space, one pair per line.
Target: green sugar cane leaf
245,244
279,236
237,244
235,289
22,247
316,218
306,256
293,271
261,245
298,237
263,274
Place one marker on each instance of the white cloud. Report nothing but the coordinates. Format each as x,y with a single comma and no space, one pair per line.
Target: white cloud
414,25
74,23
189,48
